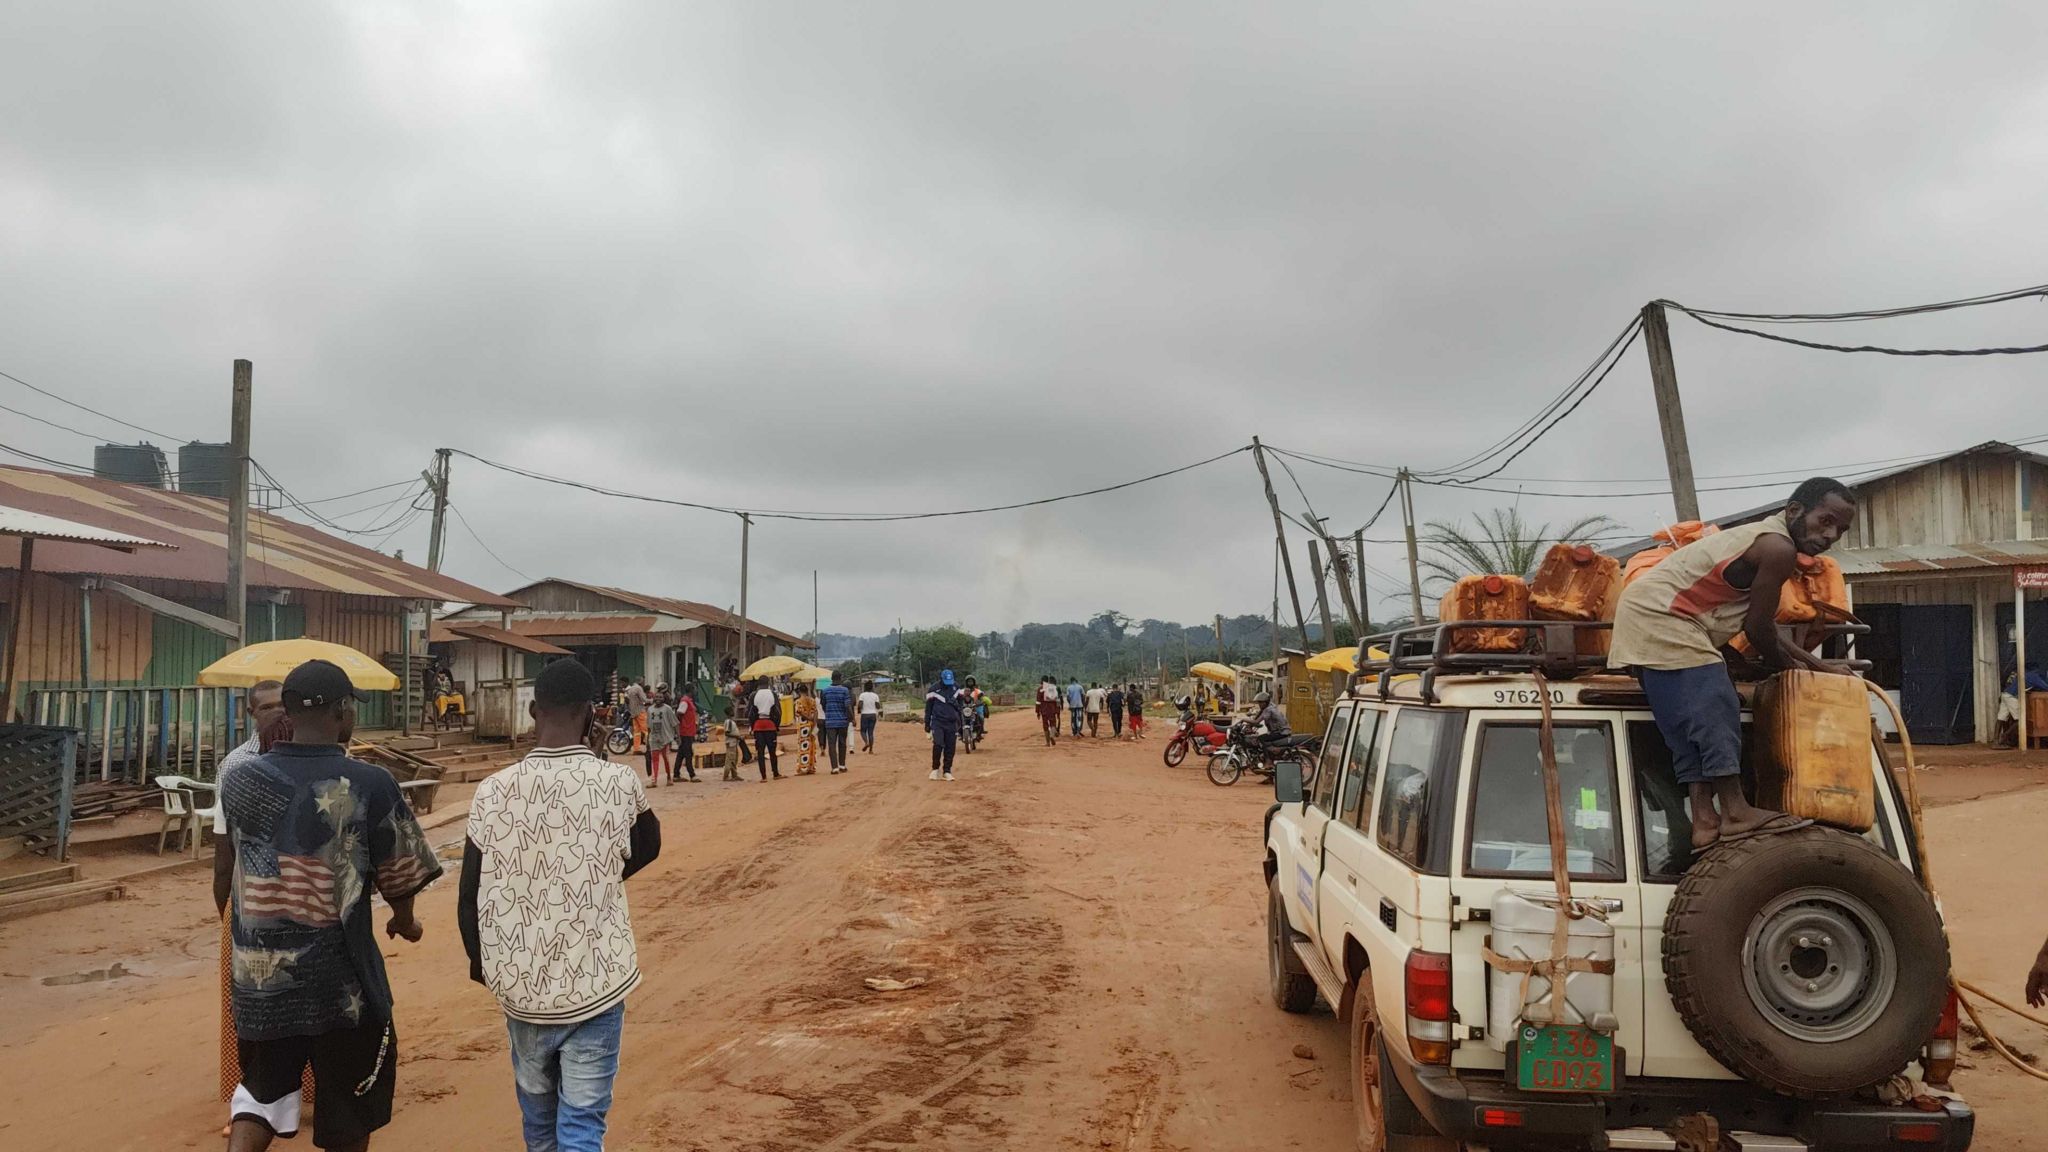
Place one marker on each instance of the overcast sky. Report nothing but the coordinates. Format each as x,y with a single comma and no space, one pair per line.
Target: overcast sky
906,257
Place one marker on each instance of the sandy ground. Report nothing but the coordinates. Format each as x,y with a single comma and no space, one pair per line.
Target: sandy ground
1090,923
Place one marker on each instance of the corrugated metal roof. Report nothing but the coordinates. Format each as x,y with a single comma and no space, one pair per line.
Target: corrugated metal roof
282,553
21,522
1939,557
690,609
603,625
492,634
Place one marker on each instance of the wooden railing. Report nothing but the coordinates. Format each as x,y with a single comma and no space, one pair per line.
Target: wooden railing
134,733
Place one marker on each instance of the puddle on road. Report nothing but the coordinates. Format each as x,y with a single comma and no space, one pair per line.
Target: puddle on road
114,971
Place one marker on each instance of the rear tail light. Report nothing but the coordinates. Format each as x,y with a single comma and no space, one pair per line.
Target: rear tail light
1939,1060
1916,1132
1500,1117
1427,984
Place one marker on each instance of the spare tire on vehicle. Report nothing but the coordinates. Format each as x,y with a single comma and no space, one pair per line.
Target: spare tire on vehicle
1808,962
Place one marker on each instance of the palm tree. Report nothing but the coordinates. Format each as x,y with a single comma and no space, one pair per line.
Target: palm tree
1503,543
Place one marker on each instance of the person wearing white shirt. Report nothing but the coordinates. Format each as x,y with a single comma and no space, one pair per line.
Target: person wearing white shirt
870,713
1095,698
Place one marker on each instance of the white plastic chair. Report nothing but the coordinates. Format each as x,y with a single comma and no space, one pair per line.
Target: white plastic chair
181,808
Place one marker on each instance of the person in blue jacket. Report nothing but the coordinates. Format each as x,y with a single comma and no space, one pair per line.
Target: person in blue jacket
943,711
1077,701
835,713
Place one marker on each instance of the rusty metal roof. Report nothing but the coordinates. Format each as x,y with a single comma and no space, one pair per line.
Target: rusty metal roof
686,609
282,553
17,522
1917,558
602,625
491,634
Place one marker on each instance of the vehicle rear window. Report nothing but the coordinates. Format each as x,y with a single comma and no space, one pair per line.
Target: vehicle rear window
1356,797
1412,753
1510,825
1330,760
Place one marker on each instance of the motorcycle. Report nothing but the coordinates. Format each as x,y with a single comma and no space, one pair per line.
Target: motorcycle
1245,752
974,724
1195,733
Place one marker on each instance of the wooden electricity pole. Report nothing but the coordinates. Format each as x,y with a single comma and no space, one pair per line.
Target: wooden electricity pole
1219,639
1364,604
1315,564
746,524
1414,563
1280,534
238,503
437,482
1670,416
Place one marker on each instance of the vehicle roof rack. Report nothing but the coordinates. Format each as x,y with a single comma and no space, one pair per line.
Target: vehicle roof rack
1547,646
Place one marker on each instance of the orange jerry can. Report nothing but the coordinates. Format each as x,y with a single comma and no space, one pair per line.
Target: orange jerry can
1674,537
1578,584
1811,748
1815,596
1486,598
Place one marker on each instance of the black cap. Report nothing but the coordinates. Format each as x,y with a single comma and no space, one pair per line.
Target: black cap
316,684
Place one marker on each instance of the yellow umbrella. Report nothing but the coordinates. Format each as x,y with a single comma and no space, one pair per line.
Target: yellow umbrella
1335,660
812,672
770,666
1210,670
246,667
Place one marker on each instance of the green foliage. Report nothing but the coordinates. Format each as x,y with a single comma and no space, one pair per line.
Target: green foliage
929,651
1501,542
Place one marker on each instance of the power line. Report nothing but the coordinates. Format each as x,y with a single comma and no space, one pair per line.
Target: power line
486,547
1878,348
1634,329
2037,291
54,424
363,492
840,517
1626,335
94,411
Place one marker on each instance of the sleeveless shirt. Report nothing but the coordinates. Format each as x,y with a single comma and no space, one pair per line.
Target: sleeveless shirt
1679,613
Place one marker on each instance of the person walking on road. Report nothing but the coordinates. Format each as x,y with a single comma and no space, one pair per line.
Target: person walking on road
735,747
741,708
267,726
311,833
1076,701
870,715
1093,705
1134,703
805,709
662,732
542,910
835,709
636,712
686,737
766,711
1049,709
943,712
1115,703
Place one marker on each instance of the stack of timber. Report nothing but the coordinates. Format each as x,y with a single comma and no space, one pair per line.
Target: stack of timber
49,889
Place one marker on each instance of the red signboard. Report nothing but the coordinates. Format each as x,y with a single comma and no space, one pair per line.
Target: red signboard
2033,576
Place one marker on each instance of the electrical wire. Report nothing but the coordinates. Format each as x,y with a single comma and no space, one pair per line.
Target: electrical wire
1610,352
58,464
362,492
1878,348
486,547
839,517
94,411
1635,329
52,423
2037,291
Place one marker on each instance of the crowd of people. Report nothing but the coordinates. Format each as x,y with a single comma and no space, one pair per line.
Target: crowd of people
1124,704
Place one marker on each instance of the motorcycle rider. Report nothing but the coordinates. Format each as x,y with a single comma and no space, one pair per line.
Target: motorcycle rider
1273,718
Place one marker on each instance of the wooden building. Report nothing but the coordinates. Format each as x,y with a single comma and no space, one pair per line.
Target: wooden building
615,631
99,620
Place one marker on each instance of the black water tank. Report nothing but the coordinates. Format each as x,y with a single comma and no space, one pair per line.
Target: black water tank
205,469
132,464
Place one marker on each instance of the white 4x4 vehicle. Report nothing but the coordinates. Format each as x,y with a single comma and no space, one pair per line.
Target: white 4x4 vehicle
1772,986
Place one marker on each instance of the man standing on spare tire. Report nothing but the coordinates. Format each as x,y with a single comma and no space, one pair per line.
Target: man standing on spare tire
1672,622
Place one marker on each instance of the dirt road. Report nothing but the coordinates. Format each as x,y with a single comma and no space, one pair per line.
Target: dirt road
1088,920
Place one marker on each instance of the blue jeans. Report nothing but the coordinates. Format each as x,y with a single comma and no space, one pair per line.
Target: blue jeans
564,1073
1076,712
1701,719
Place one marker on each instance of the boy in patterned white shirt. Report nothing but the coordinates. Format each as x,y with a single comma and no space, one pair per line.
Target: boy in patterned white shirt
551,841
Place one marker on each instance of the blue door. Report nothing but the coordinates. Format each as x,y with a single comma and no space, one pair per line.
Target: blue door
1937,676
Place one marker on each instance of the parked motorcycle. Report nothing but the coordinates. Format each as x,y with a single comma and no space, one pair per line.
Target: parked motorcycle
1199,734
1246,752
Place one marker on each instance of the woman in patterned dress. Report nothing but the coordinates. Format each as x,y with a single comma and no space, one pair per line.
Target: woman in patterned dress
806,708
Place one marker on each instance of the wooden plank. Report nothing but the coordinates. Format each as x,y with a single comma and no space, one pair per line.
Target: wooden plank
31,895
41,878
59,901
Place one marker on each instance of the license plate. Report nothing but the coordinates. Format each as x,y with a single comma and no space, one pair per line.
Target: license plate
1560,1058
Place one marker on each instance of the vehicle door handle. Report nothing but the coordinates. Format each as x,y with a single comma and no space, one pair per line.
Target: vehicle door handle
1351,880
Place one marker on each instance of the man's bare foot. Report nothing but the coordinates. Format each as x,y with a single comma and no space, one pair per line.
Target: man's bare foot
1740,818
1706,821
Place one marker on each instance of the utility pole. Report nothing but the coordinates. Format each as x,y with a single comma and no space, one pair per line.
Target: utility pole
1670,416
437,483
1364,605
746,524
814,609
1219,636
1315,563
1280,534
238,503
1414,564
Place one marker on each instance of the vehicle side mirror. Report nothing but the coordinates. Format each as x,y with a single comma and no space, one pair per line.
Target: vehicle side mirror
1287,782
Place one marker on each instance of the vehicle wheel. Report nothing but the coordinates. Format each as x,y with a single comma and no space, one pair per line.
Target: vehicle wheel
1293,989
619,742
1176,751
1225,768
1808,962
1368,1095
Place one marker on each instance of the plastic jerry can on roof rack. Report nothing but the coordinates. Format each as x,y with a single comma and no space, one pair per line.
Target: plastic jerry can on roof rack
1674,537
1491,597
1578,585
